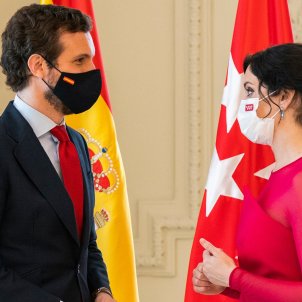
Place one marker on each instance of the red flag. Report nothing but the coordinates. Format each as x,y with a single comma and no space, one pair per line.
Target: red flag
236,161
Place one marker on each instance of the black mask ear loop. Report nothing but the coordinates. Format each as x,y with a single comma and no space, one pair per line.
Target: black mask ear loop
66,78
30,73
52,65
52,88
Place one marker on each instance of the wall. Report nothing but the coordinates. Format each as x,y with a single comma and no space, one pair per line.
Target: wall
165,63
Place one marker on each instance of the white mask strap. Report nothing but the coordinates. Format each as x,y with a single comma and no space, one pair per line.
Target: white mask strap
275,113
268,95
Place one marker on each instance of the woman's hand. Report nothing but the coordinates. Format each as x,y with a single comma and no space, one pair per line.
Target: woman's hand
217,265
202,285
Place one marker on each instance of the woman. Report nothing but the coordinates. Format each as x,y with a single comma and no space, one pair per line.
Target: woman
269,239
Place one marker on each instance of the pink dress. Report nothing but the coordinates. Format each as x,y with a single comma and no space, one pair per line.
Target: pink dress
269,241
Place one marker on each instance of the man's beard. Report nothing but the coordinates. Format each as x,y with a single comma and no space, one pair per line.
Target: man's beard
56,103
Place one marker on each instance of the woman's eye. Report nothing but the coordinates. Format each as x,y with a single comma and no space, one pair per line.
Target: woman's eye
249,91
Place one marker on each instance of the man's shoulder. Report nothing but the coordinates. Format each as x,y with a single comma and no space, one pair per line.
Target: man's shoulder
11,122
7,144
2,126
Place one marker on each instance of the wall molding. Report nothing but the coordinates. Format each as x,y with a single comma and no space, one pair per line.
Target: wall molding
166,230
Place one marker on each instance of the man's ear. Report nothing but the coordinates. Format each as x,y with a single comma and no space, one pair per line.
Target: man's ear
287,97
37,66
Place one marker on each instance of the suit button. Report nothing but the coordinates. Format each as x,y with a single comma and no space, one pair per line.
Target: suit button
79,269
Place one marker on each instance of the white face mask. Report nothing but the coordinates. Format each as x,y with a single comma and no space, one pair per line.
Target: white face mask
258,130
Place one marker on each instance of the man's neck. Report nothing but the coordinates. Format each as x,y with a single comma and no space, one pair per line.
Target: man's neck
38,102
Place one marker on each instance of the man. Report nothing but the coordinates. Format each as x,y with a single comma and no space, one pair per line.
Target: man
48,250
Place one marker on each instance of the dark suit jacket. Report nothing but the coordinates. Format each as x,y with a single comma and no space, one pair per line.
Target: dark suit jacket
41,258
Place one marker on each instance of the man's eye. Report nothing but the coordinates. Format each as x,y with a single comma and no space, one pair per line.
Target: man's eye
80,60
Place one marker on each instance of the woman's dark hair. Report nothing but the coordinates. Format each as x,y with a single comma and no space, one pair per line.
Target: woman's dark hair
277,68
36,29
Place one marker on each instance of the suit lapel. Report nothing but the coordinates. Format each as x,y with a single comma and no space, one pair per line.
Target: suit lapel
36,164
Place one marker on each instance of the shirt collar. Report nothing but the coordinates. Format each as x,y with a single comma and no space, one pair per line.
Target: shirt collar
39,122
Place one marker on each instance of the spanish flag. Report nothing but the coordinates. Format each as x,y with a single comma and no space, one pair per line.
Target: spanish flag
111,214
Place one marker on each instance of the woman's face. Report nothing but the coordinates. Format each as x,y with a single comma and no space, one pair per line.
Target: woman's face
266,108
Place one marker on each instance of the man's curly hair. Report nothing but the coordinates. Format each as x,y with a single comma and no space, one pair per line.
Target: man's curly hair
36,29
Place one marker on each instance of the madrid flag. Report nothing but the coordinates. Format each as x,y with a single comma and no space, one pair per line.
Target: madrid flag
111,214
236,161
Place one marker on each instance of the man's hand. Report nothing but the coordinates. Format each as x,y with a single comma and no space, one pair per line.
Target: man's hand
217,265
103,297
201,283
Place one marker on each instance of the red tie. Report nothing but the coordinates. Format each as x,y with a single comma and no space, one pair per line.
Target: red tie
71,172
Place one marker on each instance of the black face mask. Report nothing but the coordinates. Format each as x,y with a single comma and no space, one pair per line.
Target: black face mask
78,91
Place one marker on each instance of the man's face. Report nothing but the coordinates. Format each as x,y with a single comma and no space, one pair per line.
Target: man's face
76,57
78,52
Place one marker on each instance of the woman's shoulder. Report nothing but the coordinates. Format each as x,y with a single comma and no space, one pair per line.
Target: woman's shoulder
288,173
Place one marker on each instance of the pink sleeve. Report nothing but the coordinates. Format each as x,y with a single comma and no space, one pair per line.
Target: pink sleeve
260,289
257,288
231,293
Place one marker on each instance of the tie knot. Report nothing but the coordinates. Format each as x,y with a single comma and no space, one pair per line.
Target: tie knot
60,133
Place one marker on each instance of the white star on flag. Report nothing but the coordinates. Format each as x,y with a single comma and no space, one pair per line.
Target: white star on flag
220,180
231,94
266,172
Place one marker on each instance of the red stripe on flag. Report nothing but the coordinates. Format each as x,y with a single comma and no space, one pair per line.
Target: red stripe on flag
259,24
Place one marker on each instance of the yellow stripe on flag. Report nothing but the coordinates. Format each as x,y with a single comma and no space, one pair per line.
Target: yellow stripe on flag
46,2
114,235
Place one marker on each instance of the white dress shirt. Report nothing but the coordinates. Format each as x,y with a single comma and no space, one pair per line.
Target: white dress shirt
41,126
